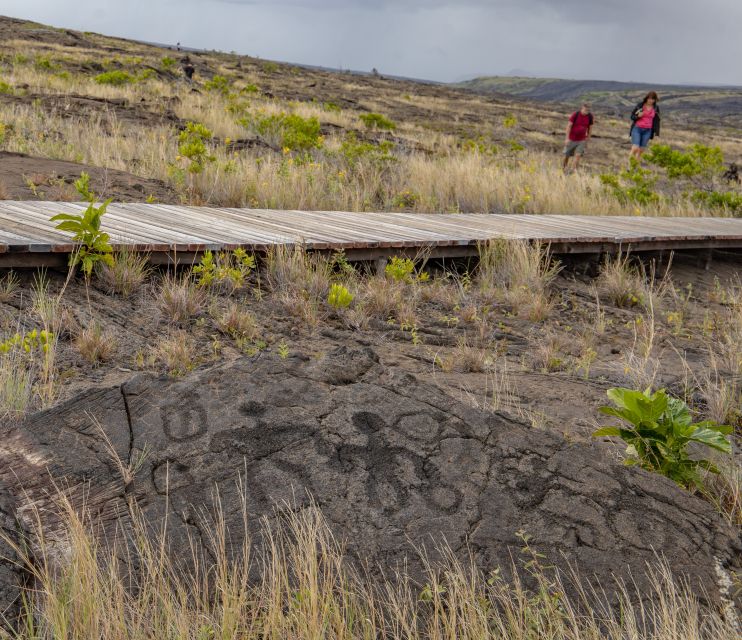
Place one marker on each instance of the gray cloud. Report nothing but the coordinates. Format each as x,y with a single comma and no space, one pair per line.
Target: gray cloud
641,40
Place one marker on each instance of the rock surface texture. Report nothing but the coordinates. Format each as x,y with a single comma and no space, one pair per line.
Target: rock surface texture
387,458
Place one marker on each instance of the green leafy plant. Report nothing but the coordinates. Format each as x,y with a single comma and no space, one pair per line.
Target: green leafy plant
339,297
116,78
400,269
698,160
94,244
377,121
403,270
725,200
225,269
661,428
634,184
192,146
168,62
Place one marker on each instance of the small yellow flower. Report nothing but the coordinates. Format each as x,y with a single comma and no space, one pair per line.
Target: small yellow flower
227,140
286,150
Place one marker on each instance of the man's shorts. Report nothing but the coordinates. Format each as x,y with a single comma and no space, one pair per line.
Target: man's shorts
575,148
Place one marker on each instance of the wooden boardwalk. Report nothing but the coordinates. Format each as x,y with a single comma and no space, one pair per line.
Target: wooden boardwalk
28,238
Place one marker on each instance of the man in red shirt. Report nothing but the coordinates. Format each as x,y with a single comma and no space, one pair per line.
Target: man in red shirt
578,133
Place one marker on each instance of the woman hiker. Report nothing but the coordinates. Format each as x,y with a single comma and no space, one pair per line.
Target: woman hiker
645,125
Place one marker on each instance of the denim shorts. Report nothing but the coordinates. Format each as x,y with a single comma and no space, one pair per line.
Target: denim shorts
640,137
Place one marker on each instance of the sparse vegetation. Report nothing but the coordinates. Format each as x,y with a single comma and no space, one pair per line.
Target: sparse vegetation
94,344
125,275
301,586
179,299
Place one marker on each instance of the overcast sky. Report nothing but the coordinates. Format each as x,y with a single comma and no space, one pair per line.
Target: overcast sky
636,40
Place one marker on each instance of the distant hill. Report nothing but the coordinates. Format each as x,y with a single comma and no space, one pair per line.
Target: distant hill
723,104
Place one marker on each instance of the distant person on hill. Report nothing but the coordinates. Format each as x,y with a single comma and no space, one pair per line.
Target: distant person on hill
578,134
188,68
645,125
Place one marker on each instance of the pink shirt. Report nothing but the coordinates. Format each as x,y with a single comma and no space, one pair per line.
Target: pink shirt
647,118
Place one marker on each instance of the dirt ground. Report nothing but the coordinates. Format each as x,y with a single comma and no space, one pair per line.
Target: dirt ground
27,178
526,369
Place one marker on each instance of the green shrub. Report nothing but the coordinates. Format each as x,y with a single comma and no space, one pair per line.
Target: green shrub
270,67
192,145
339,297
168,63
291,130
509,121
94,244
218,84
726,200
44,63
698,160
661,428
632,185
116,78
331,107
406,199
403,270
229,270
145,74
377,121
515,145
354,151
250,88
5,88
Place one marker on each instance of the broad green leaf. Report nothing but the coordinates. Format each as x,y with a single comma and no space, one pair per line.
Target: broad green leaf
712,439
73,227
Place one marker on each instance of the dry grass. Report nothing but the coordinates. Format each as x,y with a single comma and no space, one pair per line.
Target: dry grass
9,284
179,299
470,358
95,344
548,353
297,584
627,284
383,298
16,385
520,273
127,274
641,365
177,352
292,269
236,321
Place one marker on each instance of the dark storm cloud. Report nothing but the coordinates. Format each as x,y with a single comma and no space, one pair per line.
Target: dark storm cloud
643,40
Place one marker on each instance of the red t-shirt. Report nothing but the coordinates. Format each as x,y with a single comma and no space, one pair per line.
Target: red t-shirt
647,118
580,124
